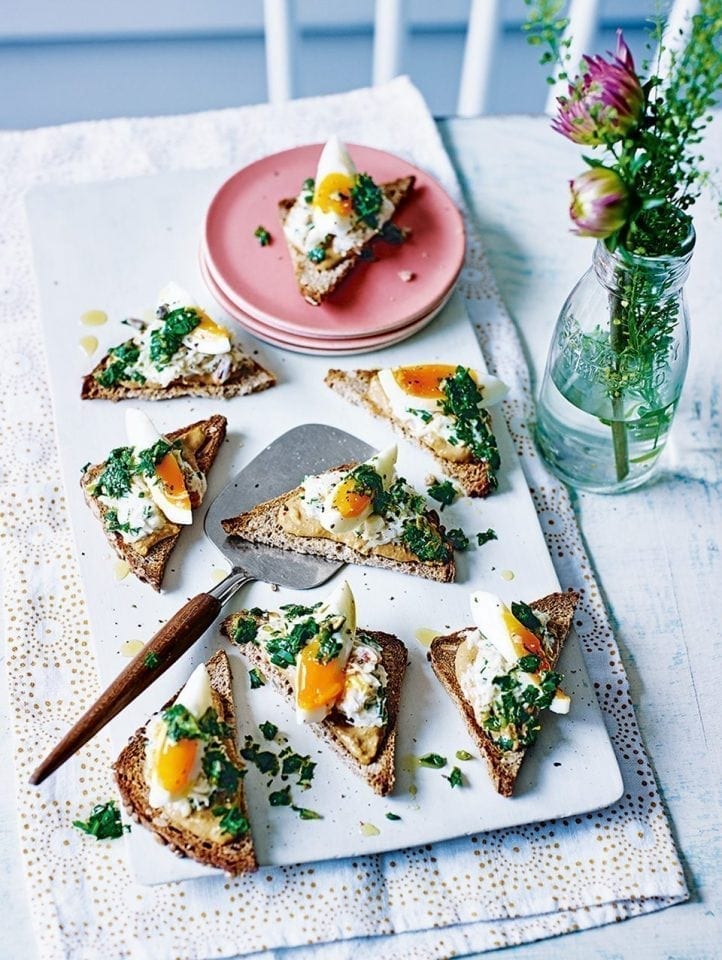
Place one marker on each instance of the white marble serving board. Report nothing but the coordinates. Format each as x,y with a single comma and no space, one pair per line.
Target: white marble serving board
111,246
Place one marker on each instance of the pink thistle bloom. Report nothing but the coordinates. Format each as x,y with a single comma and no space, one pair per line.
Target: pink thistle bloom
605,103
600,202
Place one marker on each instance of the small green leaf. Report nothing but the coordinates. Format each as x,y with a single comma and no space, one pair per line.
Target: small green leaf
151,660
280,798
392,816
104,822
257,678
305,814
432,760
262,235
455,778
464,755
268,729
486,536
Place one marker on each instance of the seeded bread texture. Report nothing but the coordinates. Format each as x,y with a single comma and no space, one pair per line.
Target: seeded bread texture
235,857
247,377
262,525
150,568
380,773
503,765
475,478
317,284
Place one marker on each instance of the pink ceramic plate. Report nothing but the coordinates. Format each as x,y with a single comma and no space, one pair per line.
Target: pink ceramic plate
342,347
374,299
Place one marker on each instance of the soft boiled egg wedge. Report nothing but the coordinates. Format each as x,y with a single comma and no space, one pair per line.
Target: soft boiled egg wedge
335,178
346,506
172,768
208,337
167,485
512,639
319,684
421,386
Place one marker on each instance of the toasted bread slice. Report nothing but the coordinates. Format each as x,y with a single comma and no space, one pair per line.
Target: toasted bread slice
236,856
379,773
262,525
151,567
317,284
503,765
475,477
247,377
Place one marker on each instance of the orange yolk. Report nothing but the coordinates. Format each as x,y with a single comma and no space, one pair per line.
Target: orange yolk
319,684
175,764
348,501
210,326
423,380
334,194
171,476
524,638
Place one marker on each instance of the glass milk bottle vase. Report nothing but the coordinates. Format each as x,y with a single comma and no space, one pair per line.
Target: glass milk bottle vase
615,370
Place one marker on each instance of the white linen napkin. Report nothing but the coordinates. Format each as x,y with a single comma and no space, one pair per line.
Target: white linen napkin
471,894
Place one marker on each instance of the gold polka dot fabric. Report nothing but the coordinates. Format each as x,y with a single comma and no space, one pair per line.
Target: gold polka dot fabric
472,894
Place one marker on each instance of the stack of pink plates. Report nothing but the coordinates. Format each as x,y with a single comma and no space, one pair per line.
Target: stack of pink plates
382,302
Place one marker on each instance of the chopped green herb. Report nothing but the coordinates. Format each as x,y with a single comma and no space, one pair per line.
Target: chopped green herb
303,766
305,814
329,647
262,235
181,724
367,199
221,773
85,467
432,760
464,755
392,234
264,760
113,525
455,778
244,630
473,424
317,254
369,483
526,616
444,492
232,821
305,775
104,822
149,458
151,660
213,728
392,816
513,717
457,538
424,415
294,611
424,540
283,650
165,341
268,729
118,369
116,478
308,188
280,798
529,663
257,678
486,536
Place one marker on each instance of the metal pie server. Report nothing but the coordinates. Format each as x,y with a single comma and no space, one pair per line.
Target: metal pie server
310,448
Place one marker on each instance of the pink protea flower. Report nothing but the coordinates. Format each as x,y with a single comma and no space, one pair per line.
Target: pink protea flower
605,103
600,202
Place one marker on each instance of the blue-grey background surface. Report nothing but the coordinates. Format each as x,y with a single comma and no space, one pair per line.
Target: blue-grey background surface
83,60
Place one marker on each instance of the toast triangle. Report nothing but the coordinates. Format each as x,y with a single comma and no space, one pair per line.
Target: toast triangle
235,857
503,765
151,568
317,285
380,773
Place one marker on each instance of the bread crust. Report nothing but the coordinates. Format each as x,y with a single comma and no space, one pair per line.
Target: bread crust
503,765
247,377
261,525
380,773
474,477
235,857
317,285
150,568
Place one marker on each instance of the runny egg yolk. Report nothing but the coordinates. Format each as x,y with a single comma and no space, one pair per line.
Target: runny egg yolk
349,501
175,764
210,326
423,380
319,684
521,635
333,194
171,476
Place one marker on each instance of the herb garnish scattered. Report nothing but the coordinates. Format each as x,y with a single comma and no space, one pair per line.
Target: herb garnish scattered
526,616
221,773
308,188
367,199
284,649
457,538
392,816
296,763
268,729
305,814
444,492
513,717
424,540
262,235
317,254
473,424
165,341
432,760
294,611
392,234
280,798
232,821
116,478
455,778
122,358
104,822
264,760
257,678
113,525
424,415
149,458
464,755
486,536
244,630
151,660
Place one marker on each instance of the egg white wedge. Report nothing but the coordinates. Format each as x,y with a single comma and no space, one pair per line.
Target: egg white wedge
196,698
173,296
335,177
142,435
495,622
335,158
340,514
493,389
319,685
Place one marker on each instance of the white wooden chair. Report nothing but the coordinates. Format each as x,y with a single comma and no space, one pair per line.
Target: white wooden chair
481,35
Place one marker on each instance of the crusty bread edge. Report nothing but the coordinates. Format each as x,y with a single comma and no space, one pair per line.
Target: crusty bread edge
236,856
503,765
